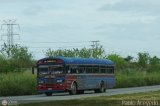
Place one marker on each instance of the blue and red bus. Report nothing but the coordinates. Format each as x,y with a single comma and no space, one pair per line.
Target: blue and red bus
74,75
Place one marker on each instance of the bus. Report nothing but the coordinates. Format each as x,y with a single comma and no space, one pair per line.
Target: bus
74,75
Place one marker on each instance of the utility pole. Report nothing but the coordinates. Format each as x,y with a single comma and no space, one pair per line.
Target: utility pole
94,46
9,24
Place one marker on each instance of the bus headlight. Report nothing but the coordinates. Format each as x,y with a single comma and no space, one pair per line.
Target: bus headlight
40,81
59,80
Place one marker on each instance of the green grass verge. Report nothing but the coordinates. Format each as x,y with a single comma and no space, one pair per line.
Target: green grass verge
23,83
133,78
102,100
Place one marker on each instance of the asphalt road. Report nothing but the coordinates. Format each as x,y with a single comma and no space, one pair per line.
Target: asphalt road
66,96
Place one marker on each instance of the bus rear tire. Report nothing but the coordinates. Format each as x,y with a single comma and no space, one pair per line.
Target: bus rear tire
73,90
48,93
101,89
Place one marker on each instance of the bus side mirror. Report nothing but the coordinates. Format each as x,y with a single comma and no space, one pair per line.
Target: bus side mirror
33,70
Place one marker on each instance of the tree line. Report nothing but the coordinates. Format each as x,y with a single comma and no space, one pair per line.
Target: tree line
144,61
16,57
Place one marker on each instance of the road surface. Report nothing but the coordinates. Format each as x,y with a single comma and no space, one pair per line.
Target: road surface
66,96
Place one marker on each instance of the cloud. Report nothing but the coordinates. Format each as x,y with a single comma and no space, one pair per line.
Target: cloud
140,31
20,1
147,6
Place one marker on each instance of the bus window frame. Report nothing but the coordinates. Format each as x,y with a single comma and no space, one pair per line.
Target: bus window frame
91,67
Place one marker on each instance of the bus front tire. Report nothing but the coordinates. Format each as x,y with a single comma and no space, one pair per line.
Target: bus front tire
48,93
73,90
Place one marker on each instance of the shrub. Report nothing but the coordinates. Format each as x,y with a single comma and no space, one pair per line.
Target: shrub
120,63
13,57
17,84
133,78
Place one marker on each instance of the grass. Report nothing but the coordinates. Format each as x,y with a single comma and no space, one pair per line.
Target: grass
23,83
115,100
133,78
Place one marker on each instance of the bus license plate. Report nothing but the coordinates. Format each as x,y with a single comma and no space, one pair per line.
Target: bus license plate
49,88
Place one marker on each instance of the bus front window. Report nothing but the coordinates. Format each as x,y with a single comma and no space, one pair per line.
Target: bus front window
42,72
49,70
56,70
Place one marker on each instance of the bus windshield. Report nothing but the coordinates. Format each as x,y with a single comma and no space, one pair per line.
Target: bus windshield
49,70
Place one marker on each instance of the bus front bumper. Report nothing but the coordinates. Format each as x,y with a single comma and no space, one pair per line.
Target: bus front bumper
51,88
41,91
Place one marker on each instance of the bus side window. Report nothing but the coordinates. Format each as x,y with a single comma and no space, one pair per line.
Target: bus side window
95,69
81,70
69,71
103,70
73,70
110,70
89,69
77,71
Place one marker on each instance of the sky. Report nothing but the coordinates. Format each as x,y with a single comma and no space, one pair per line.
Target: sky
125,27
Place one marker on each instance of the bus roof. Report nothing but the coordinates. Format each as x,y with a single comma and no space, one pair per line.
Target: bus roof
83,61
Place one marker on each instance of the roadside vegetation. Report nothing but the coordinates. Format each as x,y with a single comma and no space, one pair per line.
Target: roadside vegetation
134,78
15,79
21,83
140,99
16,62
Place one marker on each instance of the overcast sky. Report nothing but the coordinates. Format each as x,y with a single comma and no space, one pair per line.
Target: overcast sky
125,27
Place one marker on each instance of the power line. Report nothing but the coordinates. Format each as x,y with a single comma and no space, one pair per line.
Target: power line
54,42
56,47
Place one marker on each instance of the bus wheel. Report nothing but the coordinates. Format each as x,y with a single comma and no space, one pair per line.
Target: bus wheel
73,90
48,93
102,89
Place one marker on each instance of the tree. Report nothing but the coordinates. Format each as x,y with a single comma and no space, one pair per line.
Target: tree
75,52
98,52
84,53
128,58
17,56
143,59
118,60
154,61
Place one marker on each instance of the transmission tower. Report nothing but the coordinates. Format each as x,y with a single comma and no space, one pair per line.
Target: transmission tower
10,25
